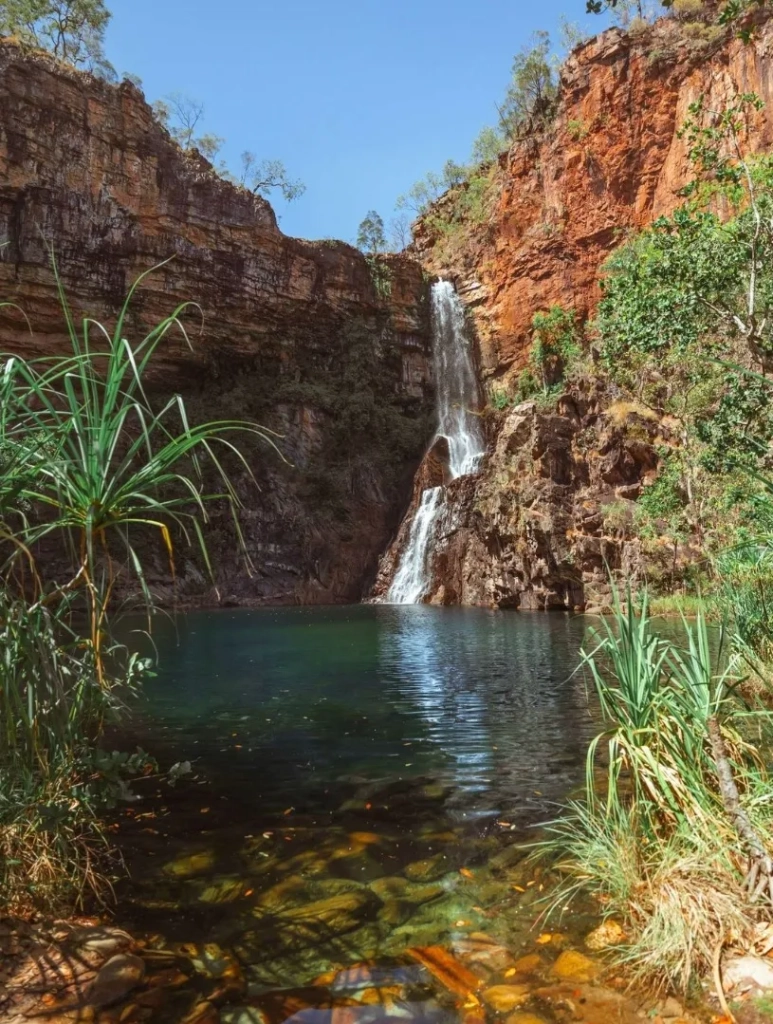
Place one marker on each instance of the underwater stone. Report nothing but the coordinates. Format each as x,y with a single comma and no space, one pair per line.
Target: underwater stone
574,966
504,998
190,865
116,979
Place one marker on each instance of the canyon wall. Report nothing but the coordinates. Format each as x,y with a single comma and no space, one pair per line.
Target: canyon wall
308,339
553,505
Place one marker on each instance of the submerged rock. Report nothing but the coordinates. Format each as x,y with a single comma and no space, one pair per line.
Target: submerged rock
609,933
427,870
224,890
574,966
190,865
504,998
119,976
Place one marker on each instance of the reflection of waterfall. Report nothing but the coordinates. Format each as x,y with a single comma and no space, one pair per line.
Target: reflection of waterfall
496,696
458,423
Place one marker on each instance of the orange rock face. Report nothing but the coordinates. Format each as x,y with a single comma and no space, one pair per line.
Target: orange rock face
552,509
299,336
611,161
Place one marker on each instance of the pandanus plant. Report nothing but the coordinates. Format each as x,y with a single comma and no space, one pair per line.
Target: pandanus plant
86,459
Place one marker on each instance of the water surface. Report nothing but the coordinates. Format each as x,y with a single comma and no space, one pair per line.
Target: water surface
359,776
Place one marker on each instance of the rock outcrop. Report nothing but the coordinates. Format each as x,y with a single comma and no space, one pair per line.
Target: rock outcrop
553,506
306,338
611,161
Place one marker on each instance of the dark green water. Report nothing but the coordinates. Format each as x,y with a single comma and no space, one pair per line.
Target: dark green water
359,777
278,705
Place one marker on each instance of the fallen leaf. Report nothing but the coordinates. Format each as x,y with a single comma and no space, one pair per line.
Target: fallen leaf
289,811
544,939
511,972
519,888
466,872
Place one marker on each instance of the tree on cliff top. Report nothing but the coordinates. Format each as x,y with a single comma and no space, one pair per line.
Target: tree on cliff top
370,234
72,30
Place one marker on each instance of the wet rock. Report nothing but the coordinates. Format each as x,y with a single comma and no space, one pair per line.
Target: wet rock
104,940
448,970
119,976
224,890
428,870
530,964
609,933
287,893
481,950
242,1015
335,915
393,886
396,912
504,998
507,858
366,838
523,1017
202,1013
190,865
574,966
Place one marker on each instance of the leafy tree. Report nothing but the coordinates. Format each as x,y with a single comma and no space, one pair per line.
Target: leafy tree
370,234
687,320
262,176
182,116
533,89
488,145
423,194
72,30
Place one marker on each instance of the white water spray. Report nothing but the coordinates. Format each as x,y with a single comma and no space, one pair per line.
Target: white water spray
458,423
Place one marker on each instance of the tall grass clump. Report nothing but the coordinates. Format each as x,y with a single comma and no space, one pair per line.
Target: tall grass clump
670,835
91,469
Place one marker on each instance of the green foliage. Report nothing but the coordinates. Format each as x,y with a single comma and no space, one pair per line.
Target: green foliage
72,30
91,468
488,145
657,848
555,347
370,234
578,130
262,177
531,95
686,311
182,117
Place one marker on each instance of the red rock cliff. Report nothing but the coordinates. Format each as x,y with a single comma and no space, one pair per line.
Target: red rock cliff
296,335
552,507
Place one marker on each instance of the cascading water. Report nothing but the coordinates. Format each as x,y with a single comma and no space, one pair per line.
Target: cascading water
458,423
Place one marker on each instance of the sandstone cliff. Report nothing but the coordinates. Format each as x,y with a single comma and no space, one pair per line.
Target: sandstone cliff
552,507
302,337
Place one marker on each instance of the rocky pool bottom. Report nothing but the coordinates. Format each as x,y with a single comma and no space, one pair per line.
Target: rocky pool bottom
348,846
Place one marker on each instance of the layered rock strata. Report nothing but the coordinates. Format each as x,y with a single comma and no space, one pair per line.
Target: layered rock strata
309,339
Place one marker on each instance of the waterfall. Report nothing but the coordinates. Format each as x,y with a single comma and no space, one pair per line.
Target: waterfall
458,423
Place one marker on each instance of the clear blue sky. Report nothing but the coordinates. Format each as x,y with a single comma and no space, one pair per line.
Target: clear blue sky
358,98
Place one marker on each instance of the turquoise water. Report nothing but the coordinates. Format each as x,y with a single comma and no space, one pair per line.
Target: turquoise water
361,782
284,703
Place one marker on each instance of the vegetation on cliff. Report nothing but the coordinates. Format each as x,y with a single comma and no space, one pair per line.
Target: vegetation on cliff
91,469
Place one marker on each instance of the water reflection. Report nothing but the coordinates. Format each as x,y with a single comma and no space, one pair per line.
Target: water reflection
496,694
284,702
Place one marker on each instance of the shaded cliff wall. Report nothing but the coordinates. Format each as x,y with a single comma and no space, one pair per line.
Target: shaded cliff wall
296,335
554,503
